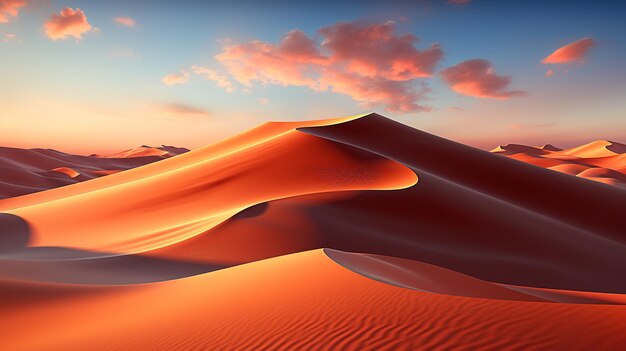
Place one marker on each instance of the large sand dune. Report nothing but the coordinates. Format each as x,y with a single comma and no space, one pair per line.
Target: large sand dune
427,244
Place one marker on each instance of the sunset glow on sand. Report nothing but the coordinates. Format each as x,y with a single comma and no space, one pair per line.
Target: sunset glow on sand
198,175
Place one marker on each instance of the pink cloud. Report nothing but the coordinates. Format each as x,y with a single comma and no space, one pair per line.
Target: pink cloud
264,101
574,52
368,62
459,2
549,73
68,23
125,21
478,79
9,37
175,78
221,80
9,9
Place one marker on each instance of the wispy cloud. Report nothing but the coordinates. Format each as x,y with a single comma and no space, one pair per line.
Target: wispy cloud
125,53
477,78
570,53
68,23
176,78
9,9
125,21
221,80
264,101
369,62
181,109
9,37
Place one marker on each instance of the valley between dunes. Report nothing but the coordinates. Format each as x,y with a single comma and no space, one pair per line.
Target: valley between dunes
355,233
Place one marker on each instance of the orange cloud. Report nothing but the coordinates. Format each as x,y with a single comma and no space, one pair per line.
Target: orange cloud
175,78
221,80
478,79
125,21
368,62
574,52
68,23
9,9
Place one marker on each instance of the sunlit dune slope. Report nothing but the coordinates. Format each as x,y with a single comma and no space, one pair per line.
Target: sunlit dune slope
166,205
304,301
602,160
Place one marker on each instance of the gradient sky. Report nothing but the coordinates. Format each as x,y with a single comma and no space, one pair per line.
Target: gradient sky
104,78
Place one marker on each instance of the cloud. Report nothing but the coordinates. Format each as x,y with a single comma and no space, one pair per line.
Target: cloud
10,9
478,79
264,101
180,109
125,21
549,73
574,52
125,53
459,2
221,80
9,37
175,78
68,23
367,61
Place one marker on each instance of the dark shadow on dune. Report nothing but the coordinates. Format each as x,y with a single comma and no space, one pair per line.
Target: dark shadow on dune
67,265
252,211
73,266
14,233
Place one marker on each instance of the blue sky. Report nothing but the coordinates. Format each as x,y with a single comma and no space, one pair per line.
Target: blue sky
73,94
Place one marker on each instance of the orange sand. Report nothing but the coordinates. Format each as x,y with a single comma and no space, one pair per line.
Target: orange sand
428,244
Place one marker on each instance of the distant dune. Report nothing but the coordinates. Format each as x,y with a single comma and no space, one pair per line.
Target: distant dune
355,233
602,161
24,171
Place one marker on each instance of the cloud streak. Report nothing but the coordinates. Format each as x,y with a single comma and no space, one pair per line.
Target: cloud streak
9,9
477,78
176,78
180,109
575,52
367,61
209,74
68,23
125,21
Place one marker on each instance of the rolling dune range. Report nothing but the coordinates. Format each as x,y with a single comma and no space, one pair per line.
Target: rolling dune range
25,171
353,233
601,160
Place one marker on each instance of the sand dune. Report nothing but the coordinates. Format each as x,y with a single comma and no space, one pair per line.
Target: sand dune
426,244
303,301
602,160
24,171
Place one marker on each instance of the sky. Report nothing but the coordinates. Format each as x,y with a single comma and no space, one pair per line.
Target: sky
103,76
